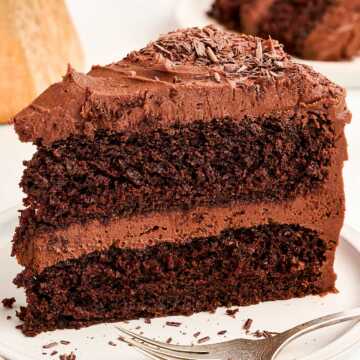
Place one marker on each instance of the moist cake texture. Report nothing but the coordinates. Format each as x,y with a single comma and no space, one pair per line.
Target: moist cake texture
204,170
310,29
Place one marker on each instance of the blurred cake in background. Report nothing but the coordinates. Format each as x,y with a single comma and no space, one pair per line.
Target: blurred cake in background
309,29
38,40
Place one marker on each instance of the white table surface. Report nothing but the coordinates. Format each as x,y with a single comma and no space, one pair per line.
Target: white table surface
109,31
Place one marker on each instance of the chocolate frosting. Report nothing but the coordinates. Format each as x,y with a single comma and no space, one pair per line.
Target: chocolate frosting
179,78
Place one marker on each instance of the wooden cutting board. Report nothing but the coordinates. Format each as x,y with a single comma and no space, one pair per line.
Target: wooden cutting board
38,40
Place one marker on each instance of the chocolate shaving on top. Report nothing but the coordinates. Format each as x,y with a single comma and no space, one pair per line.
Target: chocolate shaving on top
211,55
259,51
212,47
199,48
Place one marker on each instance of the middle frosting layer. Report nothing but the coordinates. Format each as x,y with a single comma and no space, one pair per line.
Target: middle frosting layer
317,211
201,164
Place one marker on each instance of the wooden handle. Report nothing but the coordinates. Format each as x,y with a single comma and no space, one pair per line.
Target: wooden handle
38,40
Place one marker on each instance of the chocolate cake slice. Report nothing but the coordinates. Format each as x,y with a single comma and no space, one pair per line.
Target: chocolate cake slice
204,170
310,29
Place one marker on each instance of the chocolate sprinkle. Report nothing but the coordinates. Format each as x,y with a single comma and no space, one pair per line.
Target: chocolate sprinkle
259,51
231,312
199,48
173,323
196,334
217,77
211,55
247,324
222,332
204,339
51,345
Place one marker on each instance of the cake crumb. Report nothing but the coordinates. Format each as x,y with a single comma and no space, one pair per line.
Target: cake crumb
147,321
70,356
173,323
231,312
8,317
247,324
8,303
204,339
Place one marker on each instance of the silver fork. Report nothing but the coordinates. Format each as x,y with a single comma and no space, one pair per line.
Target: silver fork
244,349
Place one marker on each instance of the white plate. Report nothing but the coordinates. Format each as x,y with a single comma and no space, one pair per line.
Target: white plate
345,73
92,342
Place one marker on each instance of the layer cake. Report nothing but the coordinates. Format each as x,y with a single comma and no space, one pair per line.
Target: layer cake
204,170
309,29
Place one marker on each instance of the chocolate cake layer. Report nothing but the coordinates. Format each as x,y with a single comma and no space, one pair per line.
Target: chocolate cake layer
201,164
238,267
322,211
311,29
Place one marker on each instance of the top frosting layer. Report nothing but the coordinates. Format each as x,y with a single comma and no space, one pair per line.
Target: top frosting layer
187,75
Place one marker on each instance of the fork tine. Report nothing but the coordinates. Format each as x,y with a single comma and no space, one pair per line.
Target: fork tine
130,343
147,350
170,354
187,349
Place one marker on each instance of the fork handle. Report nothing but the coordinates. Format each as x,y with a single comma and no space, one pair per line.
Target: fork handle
312,325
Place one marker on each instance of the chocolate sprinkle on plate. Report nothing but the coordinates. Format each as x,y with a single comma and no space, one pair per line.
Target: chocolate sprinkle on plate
173,323
51,345
204,339
222,332
231,312
247,324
